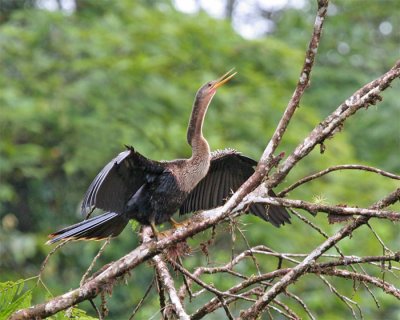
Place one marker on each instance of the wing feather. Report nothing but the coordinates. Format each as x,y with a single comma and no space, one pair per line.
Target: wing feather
118,181
228,185
218,190
221,179
228,171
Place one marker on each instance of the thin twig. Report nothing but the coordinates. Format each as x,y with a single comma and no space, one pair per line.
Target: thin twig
206,286
226,308
336,168
185,283
99,315
347,301
290,312
315,227
46,260
98,255
253,258
367,287
385,286
302,303
140,303
385,247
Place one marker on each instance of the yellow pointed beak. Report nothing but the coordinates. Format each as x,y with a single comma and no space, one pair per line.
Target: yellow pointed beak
224,79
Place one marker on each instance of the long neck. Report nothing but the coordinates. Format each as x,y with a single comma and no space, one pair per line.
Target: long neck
195,137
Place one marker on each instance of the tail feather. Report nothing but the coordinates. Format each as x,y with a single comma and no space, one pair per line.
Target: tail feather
96,228
277,215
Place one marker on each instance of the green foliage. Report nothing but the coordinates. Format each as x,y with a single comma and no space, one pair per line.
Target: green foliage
74,88
15,296
12,297
62,104
72,313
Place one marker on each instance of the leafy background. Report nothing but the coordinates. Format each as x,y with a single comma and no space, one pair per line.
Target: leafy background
76,86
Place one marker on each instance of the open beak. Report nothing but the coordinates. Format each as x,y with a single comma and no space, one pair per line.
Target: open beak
224,79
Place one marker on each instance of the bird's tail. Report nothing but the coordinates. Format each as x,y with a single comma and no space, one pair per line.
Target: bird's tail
96,228
275,214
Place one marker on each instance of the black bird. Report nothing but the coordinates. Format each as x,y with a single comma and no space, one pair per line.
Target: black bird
133,187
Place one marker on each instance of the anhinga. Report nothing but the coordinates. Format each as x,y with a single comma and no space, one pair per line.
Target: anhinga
133,187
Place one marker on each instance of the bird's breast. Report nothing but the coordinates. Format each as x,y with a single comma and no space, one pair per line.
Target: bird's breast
190,173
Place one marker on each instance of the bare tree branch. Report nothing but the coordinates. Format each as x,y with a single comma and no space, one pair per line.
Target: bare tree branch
362,98
168,283
267,162
336,168
302,303
142,300
297,271
314,208
385,286
317,268
166,280
205,285
347,301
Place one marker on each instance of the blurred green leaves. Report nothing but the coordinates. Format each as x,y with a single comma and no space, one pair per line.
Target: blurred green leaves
15,296
12,298
75,90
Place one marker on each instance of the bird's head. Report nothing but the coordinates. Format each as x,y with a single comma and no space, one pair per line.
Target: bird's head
200,106
210,88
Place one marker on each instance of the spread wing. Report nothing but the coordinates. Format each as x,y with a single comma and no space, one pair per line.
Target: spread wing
228,171
118,181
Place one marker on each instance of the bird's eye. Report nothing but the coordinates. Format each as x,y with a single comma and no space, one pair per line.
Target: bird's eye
209,84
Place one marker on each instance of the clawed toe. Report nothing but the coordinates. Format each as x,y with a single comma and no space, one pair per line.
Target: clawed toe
176,224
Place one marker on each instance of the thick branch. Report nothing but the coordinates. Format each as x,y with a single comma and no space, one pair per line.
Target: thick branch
165,279
267,162
103,280
168,284
362,98
314,207
301,86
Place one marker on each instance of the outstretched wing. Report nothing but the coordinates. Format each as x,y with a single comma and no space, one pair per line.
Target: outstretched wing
118,181
228,171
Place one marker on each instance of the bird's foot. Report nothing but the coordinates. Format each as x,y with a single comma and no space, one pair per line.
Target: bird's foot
176,224
162,234
158,235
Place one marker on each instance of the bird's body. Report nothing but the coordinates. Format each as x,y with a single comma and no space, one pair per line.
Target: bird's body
133,187
163,193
